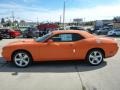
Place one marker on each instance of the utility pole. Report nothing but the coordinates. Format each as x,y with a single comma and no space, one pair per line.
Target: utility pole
13,17
64,14
60,19
37,21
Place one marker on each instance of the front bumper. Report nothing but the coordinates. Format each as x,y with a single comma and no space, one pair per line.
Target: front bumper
6,54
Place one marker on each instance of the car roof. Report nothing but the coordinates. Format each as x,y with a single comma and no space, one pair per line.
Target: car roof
5,28
66,31
83,33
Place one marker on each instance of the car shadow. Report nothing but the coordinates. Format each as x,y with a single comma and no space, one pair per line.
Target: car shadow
54,66
114,36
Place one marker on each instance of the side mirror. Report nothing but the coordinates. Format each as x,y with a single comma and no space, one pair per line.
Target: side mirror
50,41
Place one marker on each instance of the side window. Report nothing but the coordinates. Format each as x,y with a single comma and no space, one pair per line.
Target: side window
62,38
69,37
56,38
66,37
76,37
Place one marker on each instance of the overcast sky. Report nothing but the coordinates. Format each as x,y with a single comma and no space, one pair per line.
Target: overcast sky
51,10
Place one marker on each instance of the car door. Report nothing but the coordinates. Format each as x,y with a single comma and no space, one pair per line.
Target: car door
61,48
80,46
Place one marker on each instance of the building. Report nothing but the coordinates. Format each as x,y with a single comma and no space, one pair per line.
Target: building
103,23
116,22
78,21
1,25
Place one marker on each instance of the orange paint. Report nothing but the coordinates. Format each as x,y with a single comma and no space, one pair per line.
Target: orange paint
52,51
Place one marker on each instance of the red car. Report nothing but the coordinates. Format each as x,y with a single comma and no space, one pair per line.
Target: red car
9,33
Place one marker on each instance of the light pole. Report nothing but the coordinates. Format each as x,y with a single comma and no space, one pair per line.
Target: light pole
13,17
37,21
60,19
64,7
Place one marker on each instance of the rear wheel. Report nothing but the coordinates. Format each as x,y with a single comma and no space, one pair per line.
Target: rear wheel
95,57
22,59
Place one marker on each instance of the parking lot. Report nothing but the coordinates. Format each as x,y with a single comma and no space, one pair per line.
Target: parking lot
71,75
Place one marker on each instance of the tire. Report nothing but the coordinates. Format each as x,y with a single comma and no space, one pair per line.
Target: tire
98,33
22,59
114,35
0,38
24,36
95,57
12,36
8,36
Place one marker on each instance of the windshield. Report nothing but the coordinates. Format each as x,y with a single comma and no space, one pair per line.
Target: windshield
43,38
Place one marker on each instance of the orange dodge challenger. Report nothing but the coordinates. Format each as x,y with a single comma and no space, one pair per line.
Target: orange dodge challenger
61,45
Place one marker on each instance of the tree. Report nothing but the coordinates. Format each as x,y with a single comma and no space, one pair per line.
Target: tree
2,21
22,23
116,19
89,23
16,22
8,23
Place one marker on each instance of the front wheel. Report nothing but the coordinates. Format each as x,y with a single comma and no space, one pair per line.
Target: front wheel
95,57
22,59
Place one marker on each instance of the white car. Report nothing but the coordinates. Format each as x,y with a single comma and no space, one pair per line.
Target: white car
114,32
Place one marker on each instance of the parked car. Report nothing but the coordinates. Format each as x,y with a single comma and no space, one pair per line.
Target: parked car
114,32
90,30
76,28
47,27
61,45
102,31
1,36
18,30
23,28
9,33
73,28
31,32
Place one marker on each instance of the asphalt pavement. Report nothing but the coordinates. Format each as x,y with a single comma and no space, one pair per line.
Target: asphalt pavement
70,75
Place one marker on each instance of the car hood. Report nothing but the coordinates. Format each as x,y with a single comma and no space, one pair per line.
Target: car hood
24,41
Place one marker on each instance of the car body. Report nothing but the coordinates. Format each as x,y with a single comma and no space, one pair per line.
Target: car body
46,28
61,45
18,30
114,32
31,32
102,31
74,28
23,28
9,33
1,36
